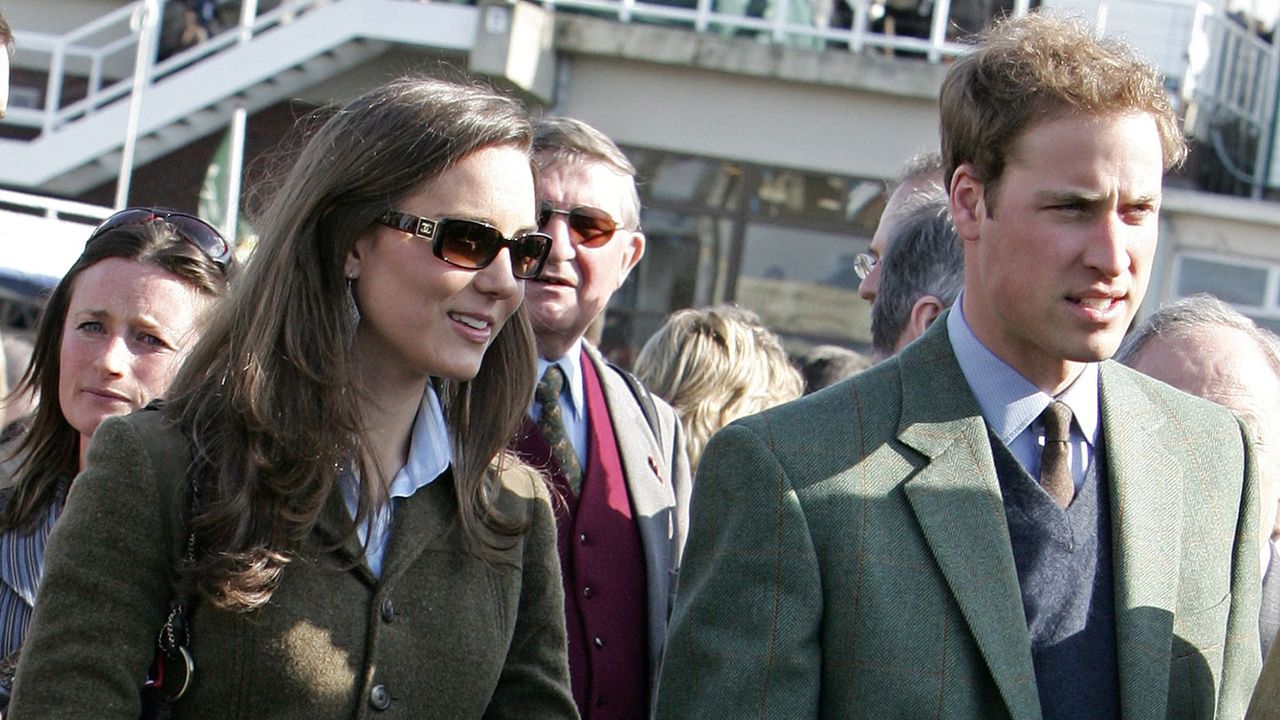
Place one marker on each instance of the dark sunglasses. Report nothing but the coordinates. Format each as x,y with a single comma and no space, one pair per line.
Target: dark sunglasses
189,228
589,226
473,245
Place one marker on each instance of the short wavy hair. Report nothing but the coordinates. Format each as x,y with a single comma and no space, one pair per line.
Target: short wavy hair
1039,66
925,256
563,141
715,365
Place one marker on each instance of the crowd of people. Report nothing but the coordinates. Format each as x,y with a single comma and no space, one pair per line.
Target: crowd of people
379,466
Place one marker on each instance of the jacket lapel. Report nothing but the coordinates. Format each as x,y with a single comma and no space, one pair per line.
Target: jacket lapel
653,500
332,529
1146,533
957,501
651,495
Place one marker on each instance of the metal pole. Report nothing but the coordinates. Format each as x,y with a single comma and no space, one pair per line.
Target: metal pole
235,165
1266,143
146,22
248,13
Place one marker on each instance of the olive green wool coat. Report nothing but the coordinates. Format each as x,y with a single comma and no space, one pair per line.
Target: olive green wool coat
441,634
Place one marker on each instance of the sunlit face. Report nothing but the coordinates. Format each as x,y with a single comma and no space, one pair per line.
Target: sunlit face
421,316
1226,366
577,281
128,327
1058,261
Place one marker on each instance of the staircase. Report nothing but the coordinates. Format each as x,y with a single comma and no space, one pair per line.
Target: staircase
265,60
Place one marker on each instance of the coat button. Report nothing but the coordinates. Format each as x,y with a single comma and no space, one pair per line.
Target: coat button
379,698
388,610
582,538
586,591
599,643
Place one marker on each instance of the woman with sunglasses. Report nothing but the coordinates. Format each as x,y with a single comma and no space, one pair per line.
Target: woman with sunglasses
111,338
362,540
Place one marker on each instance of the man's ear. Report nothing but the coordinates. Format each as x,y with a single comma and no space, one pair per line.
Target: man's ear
968,202
923,313
631,254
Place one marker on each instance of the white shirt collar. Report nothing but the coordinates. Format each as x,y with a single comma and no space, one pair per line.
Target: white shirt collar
430,448
1010,402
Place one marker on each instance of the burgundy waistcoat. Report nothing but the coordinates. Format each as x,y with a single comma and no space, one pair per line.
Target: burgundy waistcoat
602,565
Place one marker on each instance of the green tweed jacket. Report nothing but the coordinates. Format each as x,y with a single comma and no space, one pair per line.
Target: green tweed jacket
849,557
440,634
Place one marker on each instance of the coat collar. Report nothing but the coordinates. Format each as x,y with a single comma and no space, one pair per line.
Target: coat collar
651,493
1146,531
956,499
420,521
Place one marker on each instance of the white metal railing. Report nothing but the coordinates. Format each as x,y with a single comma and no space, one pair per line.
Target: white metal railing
798,23
1230,86
53,208
1220,68
102,55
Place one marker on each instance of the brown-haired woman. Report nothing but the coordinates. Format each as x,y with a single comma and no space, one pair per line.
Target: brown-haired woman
363,542
113,334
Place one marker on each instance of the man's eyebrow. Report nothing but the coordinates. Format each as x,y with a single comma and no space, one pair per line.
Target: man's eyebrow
1071,195
1091,197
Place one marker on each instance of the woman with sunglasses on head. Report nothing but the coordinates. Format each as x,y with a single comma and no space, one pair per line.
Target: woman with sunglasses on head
113,333
361,540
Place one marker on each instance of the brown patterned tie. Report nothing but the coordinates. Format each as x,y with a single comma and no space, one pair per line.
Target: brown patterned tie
551,423
1055,473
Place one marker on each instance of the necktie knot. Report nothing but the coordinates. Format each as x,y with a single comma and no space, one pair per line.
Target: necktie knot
1057,422
550,385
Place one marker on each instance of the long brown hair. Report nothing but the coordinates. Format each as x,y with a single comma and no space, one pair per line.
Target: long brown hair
50,449
270,396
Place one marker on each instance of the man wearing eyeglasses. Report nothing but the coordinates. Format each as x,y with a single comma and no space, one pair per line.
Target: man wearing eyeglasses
920,274
998,521
921,176
615,453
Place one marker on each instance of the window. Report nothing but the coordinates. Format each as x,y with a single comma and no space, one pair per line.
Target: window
778,241
1251,286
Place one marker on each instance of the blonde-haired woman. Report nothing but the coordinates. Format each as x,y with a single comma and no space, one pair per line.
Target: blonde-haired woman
715,365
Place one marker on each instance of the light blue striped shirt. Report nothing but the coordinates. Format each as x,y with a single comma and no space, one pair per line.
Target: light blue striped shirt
430,453
1011,404
21,569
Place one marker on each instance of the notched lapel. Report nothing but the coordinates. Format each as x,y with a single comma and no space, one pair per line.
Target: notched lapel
651,492
331,529
1146,531
956,499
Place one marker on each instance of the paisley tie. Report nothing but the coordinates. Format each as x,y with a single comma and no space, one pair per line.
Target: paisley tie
551,423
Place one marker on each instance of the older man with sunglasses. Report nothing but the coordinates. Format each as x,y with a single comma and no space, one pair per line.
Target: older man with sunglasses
614,452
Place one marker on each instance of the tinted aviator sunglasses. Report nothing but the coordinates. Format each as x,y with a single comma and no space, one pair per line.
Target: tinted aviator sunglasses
189,227
473,245
589,226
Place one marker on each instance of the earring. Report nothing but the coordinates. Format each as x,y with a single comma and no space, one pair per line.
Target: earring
353,310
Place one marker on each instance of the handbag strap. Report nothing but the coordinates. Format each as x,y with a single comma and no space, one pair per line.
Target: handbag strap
176,632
